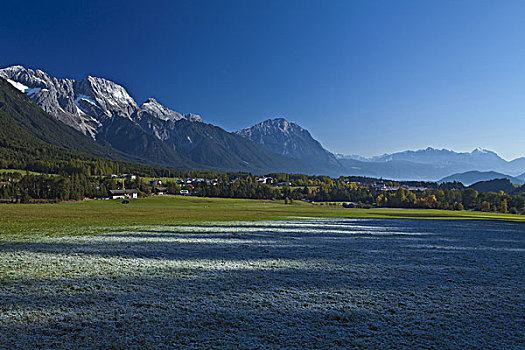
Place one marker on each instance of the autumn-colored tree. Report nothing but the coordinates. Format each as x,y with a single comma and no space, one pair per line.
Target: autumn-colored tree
504,206
381,200
458,206
431,201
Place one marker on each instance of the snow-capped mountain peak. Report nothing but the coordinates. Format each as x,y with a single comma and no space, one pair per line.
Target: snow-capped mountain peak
482,151
152,107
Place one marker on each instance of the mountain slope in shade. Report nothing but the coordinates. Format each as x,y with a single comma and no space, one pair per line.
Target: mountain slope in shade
214,148
21,149
521,177
33,120
495,185
291,140
470,177
41,125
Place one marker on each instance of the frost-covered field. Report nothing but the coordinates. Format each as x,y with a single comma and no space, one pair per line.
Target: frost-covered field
365,283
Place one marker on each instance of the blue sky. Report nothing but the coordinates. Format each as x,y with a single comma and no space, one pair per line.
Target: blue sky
365,77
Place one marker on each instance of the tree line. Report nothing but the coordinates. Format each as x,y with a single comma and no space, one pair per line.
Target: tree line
76,185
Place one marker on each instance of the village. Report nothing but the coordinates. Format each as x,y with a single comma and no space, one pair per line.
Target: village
190,186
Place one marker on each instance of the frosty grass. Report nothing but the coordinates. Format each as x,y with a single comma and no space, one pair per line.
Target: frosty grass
365,283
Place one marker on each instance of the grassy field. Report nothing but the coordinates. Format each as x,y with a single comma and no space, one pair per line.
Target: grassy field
187,272
96,216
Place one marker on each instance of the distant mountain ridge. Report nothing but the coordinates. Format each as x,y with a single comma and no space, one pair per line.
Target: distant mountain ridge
471,177
432,164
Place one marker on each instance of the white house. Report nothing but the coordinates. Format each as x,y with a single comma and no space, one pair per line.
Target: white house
121,194
264,180
155,182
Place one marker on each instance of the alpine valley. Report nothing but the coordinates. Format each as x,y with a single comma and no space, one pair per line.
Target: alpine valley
98,117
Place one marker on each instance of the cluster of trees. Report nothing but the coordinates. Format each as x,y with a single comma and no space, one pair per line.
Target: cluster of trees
76,185
453,199
242,188
63,187
449,196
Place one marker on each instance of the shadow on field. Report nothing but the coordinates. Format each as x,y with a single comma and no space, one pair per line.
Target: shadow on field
356,283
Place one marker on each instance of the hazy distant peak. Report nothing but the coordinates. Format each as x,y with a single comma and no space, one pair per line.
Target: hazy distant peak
482,150
351,156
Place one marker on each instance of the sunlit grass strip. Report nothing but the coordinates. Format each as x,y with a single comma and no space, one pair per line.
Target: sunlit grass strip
100,216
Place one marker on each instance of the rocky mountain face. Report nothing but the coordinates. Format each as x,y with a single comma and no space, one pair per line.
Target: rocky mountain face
86,104
291,140
36,123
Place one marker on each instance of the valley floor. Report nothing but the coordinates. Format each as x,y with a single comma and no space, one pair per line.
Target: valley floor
166,273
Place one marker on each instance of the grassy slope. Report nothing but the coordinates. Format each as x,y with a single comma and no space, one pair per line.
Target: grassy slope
23,172
100,216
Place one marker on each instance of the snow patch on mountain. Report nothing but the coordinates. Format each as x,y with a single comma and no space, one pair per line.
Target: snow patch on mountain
18,85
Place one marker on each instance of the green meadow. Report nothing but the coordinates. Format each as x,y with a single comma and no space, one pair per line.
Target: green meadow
96,216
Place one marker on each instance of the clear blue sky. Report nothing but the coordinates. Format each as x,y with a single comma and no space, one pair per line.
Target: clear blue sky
365,77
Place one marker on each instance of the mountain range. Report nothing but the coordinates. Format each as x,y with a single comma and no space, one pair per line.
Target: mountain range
97,116
104,112
432,164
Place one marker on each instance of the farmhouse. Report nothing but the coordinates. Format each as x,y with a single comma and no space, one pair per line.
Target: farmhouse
155,182
121,194
264,180
395,188
161,191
